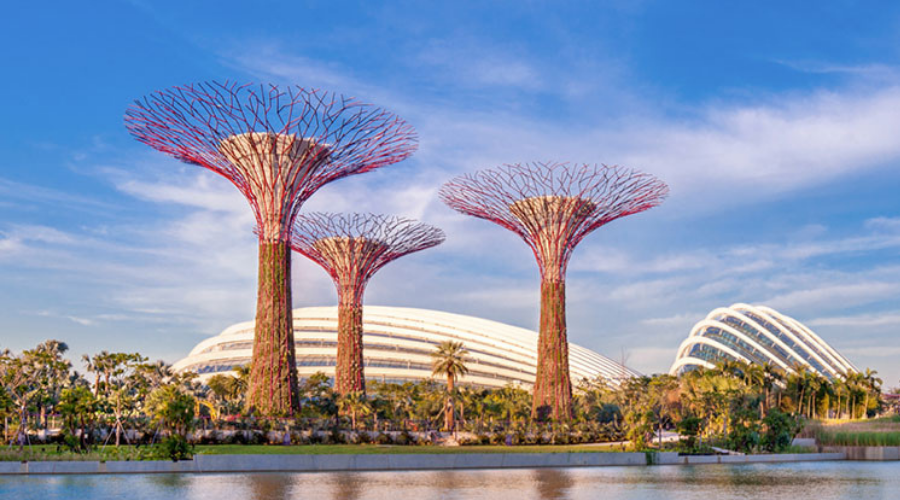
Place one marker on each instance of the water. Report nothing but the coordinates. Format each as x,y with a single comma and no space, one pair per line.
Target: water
819,481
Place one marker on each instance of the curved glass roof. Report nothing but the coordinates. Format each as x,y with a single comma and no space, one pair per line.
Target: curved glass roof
398,343
757,334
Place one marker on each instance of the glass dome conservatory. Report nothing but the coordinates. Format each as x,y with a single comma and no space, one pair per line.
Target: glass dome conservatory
398,343
757,334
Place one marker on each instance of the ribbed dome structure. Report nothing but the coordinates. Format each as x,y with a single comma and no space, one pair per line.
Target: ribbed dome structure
397,347
757,334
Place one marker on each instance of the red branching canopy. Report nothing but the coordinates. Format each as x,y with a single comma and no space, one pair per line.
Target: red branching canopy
353,247
553,206
278,145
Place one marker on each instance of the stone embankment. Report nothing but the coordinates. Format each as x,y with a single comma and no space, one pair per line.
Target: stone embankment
395,462
873,453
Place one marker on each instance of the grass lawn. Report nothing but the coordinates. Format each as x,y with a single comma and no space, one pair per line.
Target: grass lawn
372,449
883,431
36,453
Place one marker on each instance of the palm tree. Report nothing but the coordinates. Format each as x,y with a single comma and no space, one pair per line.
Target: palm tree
871,384
449,360
773,378
838,386
92,365
854,384
354,403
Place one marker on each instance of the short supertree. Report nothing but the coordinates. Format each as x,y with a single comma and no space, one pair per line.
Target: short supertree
352,248
277,145
553,206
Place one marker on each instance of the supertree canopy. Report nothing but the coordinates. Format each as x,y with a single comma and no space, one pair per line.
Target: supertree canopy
553,206
352,248
277,145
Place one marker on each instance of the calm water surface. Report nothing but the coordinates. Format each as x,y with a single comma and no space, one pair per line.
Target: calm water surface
818,481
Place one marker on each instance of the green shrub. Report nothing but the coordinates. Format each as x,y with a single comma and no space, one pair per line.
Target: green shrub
779,429
175,448
744,433
689,428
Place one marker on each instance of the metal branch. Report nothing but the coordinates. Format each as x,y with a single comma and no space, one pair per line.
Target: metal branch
553,206
352,248
277,145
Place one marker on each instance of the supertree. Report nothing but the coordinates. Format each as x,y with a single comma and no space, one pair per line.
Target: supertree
277,145
352,248
553,206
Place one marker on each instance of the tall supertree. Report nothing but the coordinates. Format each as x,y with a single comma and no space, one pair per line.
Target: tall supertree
277,145
352,248
553,206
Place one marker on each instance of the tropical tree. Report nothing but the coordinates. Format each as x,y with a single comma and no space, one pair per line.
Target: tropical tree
20,376
871,385
663,393
510,402
450,361
317,398
354,403
53,371
79,406
122,386
172,407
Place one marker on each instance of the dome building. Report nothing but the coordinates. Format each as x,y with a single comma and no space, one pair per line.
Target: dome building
398,343
757,334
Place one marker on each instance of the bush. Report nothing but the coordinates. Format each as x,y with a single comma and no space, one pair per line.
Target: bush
689,428
779,431
403,438
744,435
175,448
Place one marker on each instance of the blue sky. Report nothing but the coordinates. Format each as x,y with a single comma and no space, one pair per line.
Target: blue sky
776,126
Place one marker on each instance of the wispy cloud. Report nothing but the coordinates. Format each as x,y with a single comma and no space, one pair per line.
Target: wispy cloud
31,194
472,64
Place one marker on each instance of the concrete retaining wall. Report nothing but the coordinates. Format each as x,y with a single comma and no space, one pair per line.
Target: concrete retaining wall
877,453
675,459
321,463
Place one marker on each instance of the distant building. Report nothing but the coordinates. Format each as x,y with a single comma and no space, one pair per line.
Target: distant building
397,347
757,334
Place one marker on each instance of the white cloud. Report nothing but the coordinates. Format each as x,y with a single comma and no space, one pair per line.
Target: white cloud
196,265
891,319
838,295
472,64
679,321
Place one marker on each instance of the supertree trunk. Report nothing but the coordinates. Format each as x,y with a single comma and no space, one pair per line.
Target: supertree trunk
552,207
278,146
352,248
553,387
273,376
349,370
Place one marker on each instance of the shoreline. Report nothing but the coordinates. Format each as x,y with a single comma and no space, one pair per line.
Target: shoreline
400,462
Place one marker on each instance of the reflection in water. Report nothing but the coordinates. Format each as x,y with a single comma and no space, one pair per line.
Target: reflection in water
552,484
169,481
802,481
269,486
346,486
447,482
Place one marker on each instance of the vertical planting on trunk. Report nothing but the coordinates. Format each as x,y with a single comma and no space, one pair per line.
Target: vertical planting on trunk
278,146
553,387
552,207
273,375
349,369
352,248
